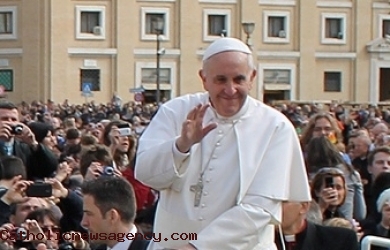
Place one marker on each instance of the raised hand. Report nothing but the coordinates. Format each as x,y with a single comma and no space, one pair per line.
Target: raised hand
192,130
16,194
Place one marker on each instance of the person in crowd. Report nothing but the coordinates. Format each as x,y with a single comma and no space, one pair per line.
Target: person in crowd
109,208
123,151
322,153
195,151
297,233
329,191
17,139
382,227
323,124
12,170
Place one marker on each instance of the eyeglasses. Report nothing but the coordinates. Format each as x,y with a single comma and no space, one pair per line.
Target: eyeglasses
50,228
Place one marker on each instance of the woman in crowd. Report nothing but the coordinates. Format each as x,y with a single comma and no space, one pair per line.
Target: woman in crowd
321,153
329,191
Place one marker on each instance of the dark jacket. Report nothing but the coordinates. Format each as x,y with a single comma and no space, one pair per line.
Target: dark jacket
318,237
39,164
137,244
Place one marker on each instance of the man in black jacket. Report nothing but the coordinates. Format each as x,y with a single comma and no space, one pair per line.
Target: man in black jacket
109,212
300,234
18,140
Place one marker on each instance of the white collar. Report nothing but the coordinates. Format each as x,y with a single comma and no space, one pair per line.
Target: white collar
126,242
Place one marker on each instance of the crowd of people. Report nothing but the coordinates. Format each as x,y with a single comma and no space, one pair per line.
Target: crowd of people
236,172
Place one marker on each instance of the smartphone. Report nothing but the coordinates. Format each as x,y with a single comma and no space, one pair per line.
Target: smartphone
124,130
329,182
39,189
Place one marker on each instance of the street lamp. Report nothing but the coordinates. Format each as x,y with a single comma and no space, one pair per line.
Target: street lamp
248,27
158,26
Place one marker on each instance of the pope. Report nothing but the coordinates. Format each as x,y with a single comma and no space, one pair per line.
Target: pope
223,161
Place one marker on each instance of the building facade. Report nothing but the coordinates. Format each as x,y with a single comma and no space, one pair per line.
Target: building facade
304,50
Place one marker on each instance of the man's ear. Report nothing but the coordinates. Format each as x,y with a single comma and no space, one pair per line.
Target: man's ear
305,207
252,78
113,216
203,78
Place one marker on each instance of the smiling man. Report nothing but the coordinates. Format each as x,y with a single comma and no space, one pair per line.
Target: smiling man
222,161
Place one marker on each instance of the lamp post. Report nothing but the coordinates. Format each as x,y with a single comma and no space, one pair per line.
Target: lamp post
158,26
248,27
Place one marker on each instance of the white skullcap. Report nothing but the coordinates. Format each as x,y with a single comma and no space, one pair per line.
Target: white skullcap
383,198
225,44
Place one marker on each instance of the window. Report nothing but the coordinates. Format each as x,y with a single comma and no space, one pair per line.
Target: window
149,75
7,79
277,27
384,26
277,76
333,28
332,81
146,76
7,22
149,15
91,77
90,22
216,23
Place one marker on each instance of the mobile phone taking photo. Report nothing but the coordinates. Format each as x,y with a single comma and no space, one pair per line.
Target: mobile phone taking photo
39,189
329,182
124,130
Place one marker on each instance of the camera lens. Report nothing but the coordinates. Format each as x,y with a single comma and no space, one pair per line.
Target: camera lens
108,170
18,129
21,233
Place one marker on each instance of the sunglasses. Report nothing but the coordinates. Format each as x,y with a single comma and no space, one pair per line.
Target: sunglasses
50,228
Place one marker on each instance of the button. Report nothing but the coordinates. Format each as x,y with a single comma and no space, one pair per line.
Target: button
205,193
208,180
201,218
218,144
214,157
220,132
203,205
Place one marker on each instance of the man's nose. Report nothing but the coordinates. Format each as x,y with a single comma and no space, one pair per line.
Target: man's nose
230,89
84,222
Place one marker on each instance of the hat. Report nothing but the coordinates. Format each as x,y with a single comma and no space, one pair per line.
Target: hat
384,197
40,130
225,44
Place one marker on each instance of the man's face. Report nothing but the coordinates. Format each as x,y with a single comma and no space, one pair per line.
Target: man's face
93,220
228,79
380,164
379,129
23,209
292,214
9,115
358,147
322,127
386,214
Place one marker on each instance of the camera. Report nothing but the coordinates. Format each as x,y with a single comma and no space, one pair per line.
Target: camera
39,189
66,246
108,171
20,233
17,129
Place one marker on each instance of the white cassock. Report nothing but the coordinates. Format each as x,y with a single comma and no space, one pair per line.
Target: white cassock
250,163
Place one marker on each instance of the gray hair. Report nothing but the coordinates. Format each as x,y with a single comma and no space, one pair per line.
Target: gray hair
314,213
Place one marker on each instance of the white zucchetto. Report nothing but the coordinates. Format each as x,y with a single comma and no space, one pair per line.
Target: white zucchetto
225,44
